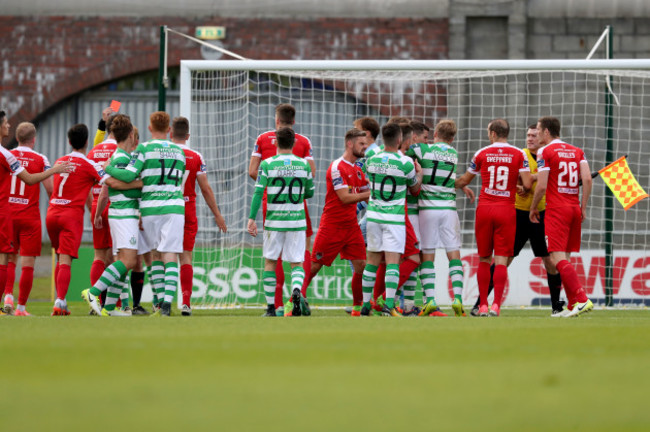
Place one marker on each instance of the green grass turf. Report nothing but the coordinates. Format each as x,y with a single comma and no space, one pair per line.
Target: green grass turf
233,370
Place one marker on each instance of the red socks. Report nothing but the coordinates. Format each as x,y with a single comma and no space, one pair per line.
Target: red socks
3,275
405,270
574,291
187,277
25,285
357,290
279,283
483,278
11,278
500,278
380,286
96,270
62,281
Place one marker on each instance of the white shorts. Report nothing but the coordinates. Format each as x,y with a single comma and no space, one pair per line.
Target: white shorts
439,229
164,233
415,221
386,237
289,244
124,233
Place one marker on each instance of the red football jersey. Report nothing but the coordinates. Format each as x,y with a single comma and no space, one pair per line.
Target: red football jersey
24,198
100,154
342,174
265,146
8,165
71,189
194,166
499,165
562,161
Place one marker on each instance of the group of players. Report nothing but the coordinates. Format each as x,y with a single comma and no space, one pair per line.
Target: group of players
389,207
151,216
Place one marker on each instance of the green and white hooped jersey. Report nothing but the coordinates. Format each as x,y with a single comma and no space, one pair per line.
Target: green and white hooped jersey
439,162
288,181
161,165
390,174
124,203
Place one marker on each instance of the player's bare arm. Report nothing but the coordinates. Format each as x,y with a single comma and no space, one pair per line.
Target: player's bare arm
540,190
252,227
348,197
469,193
312,165
120,185
211,201
30,179
102,201
526,180
415,189
587,183
464,180
48,184
253,166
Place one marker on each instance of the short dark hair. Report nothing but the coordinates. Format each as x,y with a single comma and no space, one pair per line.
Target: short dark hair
369,124
419,127
180,127
500,126
354,133
3,115
78,136
550,123
285,137
285,113
407,129
121,127
532,126
390,133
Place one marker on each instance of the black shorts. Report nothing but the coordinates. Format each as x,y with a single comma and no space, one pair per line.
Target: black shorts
527,230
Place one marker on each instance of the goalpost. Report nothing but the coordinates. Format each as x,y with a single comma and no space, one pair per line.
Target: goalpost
229,103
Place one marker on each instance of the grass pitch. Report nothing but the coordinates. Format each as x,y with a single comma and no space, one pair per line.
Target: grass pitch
233,370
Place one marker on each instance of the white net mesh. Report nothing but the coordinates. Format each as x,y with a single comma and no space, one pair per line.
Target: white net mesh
229,109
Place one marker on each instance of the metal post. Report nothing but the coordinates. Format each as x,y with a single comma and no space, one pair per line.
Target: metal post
609,197
162,66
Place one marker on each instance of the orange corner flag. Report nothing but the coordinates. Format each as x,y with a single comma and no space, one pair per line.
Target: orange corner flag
622,183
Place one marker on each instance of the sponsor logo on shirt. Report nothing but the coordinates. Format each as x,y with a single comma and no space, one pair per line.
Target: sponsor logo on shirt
18,200
337,181
60,201
15,166
497,192
564,190
499,158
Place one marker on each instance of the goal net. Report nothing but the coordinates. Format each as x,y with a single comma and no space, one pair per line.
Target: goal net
230,103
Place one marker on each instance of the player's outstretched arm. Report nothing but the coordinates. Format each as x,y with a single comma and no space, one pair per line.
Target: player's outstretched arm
587,183
30,179
211,201
540,190
464,180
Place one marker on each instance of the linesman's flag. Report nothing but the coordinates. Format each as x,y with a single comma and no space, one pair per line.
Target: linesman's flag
622,183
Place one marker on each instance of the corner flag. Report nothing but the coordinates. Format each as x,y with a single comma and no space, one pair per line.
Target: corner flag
620,180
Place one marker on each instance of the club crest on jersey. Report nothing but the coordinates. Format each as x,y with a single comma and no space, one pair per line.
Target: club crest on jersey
359,175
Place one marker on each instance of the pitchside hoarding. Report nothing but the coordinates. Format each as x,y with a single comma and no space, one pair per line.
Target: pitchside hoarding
241,282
